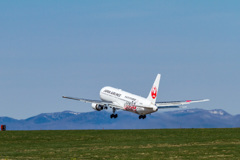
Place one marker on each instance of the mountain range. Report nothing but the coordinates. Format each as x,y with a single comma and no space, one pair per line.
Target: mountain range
69,120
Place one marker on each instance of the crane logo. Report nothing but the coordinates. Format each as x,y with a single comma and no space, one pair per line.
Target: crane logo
154,92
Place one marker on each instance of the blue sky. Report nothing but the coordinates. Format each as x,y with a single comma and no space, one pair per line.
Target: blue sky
74,48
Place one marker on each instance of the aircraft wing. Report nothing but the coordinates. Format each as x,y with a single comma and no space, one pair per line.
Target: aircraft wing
177,104
89,100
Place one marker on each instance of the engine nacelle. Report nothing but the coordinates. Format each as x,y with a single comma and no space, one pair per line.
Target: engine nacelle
97,107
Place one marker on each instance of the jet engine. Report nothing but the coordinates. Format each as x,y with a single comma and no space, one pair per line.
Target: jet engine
97,107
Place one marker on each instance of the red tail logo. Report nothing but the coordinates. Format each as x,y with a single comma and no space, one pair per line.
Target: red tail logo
154,92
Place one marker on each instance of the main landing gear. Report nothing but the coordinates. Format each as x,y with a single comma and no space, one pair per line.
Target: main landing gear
142,116
114,115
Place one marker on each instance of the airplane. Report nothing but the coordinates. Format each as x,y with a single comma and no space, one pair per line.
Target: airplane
118,99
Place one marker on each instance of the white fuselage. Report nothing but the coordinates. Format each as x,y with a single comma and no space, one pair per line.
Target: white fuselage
127,101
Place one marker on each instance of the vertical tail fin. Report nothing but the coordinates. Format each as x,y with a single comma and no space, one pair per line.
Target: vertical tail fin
153,92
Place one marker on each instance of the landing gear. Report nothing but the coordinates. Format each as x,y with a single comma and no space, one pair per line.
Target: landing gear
142,116
114,115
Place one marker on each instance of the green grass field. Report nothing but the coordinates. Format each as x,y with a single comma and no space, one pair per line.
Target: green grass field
121,144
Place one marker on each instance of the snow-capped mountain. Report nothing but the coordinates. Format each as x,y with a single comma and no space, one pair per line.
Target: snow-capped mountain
188,118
